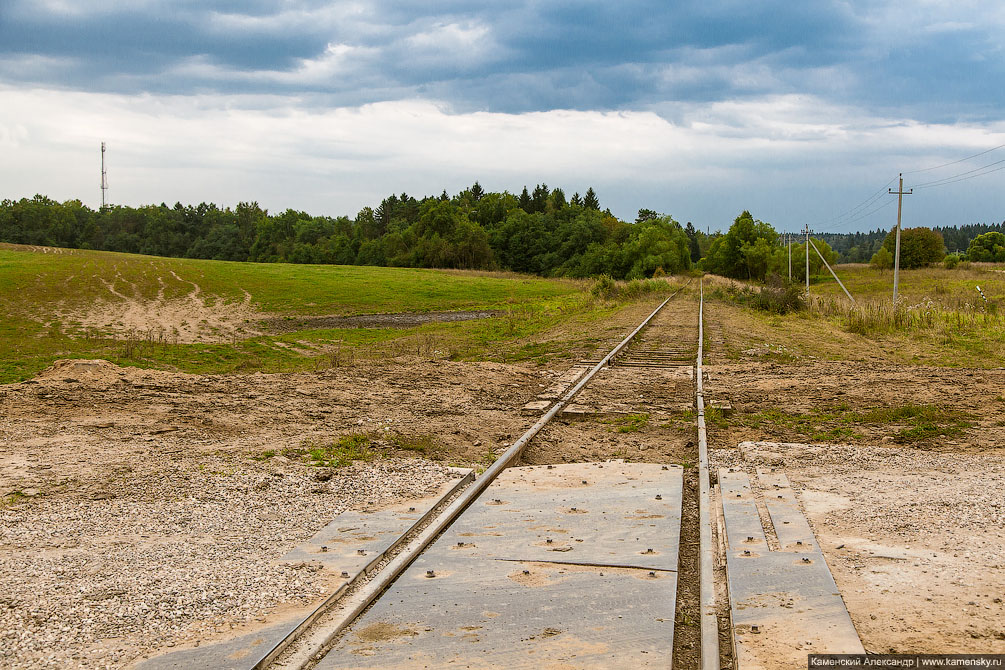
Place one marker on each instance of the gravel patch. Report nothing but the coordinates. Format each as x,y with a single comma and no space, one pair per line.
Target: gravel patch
912,537
395,320
175,556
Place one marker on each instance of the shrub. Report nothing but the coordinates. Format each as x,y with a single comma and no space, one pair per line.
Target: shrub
987,248
607,288
918,246
604,287
951,261
778,296
882,259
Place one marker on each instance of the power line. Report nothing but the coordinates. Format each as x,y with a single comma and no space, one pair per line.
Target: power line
961,176
870,213
839,221
973,177
936,167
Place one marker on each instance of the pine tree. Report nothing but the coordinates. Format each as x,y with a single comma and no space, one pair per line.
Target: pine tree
540,198
590,200
576,200
557,199
477,191
524,201
646,215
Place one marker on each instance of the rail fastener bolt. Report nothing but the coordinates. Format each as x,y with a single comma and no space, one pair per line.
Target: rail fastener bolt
345,575
324,549
430,573
361,552
411,509
659,497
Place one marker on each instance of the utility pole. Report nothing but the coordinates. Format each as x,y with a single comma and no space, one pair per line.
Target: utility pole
104,178
807,230
788,239
896,256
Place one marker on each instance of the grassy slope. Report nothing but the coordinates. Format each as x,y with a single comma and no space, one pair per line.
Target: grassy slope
961,331
35,285
75,276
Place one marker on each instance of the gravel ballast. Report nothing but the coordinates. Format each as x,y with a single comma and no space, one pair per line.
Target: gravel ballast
173,557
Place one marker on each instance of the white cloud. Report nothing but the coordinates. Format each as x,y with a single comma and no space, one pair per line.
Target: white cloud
335,66
295,17
458,44
74,8
783,157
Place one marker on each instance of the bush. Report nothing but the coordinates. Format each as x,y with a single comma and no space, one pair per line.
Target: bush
608,289
918,246
951,261
778,296
604,287
882,259
640,287
987,248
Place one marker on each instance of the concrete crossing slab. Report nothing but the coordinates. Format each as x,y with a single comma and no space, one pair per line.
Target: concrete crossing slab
492,592
347,546
783,604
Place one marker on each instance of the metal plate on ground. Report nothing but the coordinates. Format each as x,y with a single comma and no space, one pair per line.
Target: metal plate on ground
588,513
354,541
791,527
500,596
783,604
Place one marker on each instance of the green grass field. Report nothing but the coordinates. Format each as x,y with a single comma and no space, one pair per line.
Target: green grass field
940,319
42,295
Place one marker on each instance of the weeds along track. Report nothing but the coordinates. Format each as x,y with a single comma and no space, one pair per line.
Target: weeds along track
662,340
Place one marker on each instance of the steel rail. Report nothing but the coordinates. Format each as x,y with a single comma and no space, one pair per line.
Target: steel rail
709,624
372,590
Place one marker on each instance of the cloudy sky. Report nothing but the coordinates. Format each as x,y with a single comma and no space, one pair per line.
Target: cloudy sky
799,112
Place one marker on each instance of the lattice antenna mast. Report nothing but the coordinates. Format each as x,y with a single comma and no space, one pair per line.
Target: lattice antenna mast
104,179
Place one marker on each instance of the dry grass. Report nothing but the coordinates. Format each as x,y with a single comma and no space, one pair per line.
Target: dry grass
940,319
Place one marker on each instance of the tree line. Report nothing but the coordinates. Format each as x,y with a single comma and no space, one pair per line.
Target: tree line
538,231
861,247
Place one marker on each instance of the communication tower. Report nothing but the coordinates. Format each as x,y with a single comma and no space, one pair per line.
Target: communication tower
104,178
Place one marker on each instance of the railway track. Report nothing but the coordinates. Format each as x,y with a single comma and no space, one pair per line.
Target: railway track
583,565
307,647
307,643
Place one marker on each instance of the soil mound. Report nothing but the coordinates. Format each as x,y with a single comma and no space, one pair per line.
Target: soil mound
81,370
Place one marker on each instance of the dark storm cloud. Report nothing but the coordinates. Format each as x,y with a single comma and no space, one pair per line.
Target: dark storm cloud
505,56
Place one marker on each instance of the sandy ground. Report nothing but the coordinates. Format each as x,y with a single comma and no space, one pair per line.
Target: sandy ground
116,465
913,538
912,533
138,511
193,317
